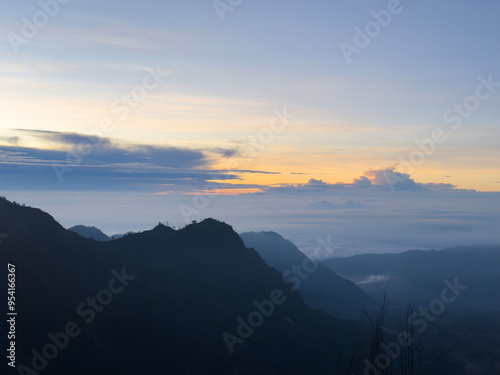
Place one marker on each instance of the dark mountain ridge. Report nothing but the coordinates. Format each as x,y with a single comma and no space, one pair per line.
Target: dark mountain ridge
182,291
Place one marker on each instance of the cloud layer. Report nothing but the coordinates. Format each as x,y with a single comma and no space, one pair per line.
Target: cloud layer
124,186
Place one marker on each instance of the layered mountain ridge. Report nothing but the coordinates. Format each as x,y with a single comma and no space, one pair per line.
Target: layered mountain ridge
321,287
189,290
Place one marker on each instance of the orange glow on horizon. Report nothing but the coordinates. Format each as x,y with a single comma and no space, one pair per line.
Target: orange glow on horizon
237,191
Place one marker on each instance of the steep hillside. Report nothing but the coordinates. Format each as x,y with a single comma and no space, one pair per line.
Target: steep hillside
320,287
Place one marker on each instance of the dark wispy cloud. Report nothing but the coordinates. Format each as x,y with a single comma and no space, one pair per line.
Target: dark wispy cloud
94,150
244,171
14,140
227,153
68,138
134,156
96,162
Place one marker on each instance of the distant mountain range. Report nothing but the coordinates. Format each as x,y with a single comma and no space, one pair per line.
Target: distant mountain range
161,301
416,276
90,232
466,322
94,233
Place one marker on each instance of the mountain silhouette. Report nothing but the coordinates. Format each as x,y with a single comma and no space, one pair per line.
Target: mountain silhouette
468,321
415,276
321,288
90,232
159,301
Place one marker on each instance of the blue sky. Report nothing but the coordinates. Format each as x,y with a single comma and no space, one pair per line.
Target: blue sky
257,99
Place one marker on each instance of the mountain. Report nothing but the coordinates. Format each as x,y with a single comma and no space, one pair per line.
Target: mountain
94,233
455,293
163,301
90,232
320,287
416,276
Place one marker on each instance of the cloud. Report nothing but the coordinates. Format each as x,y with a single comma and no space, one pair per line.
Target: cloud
98,163
385,179
90,150
68,139
14,141
351,204
439,186
362,181
389,178
95,155
229,191
373,279
101,163
227,153
397,181
326,205
245,171
313,182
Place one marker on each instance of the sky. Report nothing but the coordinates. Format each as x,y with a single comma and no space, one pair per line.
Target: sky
373,122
